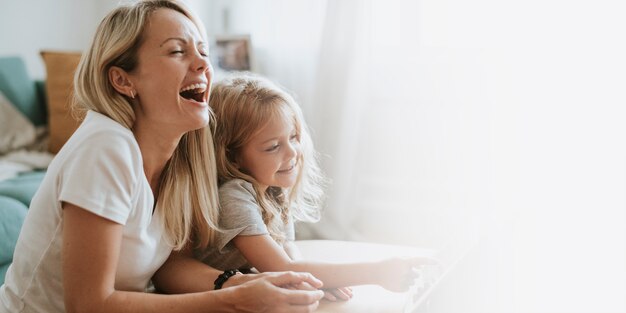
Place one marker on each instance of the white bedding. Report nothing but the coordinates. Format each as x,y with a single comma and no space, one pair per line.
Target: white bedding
22,145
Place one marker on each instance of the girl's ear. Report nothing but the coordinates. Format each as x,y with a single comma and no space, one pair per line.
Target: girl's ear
120,80
237,163
235,158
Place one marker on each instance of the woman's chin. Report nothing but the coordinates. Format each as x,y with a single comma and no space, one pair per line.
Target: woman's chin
199,120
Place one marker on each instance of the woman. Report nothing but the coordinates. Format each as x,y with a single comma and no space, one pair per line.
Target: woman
134,184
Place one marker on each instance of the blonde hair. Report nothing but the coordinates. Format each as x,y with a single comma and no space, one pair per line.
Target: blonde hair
243,103
187,197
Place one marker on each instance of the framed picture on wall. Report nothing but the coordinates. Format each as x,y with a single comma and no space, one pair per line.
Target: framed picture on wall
232,53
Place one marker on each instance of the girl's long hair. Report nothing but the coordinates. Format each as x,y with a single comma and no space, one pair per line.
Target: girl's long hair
243,103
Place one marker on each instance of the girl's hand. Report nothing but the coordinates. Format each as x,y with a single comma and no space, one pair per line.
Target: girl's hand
335,294
398,274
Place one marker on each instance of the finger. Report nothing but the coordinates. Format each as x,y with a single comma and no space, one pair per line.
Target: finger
303,297
328,295
304,286
348,291
293,278
413,274
342,294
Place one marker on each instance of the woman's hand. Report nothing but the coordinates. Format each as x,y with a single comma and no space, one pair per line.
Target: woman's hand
239,279
278,292
398,274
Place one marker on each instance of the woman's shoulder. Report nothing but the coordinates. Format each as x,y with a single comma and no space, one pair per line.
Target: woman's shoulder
102,133
97,124
100,138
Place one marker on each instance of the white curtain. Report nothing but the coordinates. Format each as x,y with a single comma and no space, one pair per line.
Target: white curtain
436,113
336,115
430,114
401,124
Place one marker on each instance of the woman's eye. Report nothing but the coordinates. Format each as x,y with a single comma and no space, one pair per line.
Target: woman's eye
178,52
294,137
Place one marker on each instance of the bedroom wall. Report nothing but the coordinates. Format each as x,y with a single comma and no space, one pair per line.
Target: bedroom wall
55,25
59,25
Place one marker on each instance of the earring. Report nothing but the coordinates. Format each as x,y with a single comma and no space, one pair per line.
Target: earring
132,94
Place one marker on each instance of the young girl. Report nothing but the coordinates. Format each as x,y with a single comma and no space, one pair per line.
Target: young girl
269,177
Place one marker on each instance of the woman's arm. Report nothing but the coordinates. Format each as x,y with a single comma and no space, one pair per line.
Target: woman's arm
263,253
91,247
181,273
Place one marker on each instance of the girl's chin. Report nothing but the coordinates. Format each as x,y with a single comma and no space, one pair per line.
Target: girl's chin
286,184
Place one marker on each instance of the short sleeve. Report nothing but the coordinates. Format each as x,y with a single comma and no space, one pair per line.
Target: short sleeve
240,214
100,176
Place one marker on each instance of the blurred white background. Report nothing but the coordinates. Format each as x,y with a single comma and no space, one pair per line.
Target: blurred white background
432,114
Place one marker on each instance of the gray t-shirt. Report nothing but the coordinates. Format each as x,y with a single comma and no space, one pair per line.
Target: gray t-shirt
240,215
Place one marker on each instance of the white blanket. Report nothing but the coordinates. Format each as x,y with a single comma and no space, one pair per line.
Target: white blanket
22,145
21,161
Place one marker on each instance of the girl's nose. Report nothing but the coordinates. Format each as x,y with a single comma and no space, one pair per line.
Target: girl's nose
292,151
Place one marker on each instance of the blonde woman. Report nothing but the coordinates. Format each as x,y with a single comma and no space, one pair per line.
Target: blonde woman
134,184
269,177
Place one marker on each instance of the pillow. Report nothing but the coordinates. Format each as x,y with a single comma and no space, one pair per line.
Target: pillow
60,68
16,131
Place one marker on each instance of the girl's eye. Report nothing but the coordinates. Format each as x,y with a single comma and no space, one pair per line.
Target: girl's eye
272,148
178,52
294,137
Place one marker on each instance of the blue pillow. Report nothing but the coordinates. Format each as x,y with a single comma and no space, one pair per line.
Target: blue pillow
22,91
12,214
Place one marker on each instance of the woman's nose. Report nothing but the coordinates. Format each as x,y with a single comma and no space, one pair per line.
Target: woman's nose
201,63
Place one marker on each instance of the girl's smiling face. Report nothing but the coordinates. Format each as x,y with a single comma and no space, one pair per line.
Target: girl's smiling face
271,154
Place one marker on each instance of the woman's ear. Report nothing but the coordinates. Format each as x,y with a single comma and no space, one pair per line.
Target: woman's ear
121,82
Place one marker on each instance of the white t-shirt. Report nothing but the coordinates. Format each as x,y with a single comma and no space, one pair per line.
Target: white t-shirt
99,169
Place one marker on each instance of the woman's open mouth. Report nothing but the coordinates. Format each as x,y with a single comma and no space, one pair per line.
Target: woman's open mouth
194,92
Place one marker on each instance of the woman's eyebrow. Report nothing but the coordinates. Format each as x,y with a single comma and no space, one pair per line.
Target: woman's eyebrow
183,40
174,38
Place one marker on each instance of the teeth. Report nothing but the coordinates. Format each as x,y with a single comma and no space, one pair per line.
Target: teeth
201,86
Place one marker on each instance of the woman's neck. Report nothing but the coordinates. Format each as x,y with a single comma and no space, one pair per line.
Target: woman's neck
156,150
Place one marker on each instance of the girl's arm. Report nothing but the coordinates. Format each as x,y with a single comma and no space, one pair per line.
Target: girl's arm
292,250
91,246
263,253
332,294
